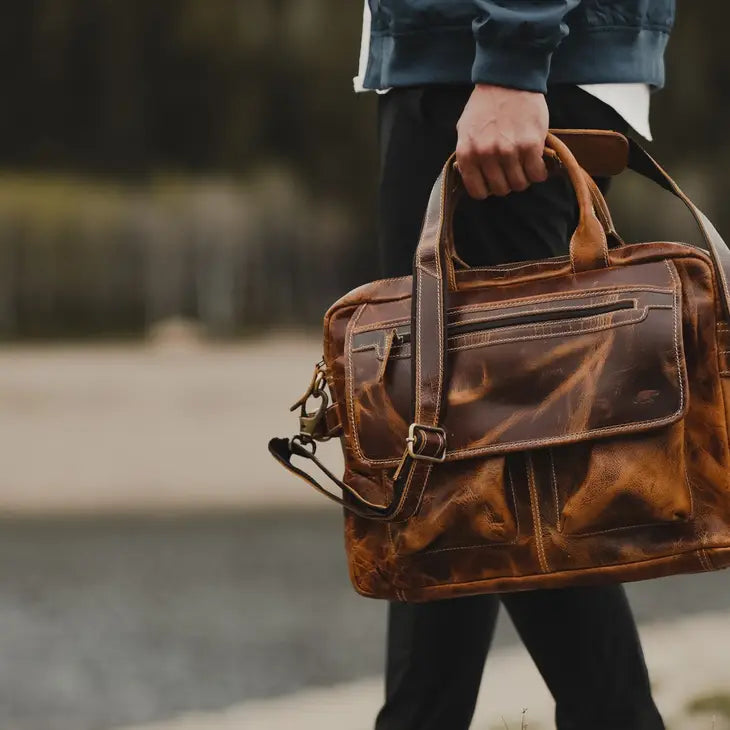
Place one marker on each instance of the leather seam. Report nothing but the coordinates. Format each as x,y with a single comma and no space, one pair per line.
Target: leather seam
516,266
604,292
440,301
555,491
488,341
583,294
701,561
350,388
440,305
536,518
708,559
407,489
514,498
702,555
677,283
566,439
540,310
434,589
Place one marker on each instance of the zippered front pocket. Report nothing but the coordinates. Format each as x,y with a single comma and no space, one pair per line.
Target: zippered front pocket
525,374
402,334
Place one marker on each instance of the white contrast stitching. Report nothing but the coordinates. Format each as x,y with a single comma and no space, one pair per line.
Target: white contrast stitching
514,303
488,341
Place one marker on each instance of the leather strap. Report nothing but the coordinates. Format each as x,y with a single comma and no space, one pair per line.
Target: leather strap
408,486
600,152
642,162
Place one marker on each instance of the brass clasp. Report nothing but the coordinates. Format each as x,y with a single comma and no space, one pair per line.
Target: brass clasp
310,423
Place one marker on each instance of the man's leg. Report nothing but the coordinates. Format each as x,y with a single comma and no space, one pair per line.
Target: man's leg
417,135
436,651
436,654
584,640
585,644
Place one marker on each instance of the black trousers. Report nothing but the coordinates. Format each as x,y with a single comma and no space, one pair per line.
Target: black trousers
583,640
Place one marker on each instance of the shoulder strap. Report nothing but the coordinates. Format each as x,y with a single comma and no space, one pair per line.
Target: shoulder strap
642,162
408,485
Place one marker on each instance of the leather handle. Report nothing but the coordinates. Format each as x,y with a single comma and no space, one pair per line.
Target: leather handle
600,208
588,244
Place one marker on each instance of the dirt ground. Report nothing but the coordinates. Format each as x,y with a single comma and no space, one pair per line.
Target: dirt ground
140,428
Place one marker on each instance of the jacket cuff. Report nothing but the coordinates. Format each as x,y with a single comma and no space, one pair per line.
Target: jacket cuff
518,67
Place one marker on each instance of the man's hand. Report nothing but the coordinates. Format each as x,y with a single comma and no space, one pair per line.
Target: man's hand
501,136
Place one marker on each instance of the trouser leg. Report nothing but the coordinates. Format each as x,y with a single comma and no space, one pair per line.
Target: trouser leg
585,644
436,654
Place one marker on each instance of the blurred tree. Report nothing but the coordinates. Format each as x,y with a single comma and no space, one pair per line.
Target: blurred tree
251,89
132,86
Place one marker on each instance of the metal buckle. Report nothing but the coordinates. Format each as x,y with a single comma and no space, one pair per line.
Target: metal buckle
411,440
310,424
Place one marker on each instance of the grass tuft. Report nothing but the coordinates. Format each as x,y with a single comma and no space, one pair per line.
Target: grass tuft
717,704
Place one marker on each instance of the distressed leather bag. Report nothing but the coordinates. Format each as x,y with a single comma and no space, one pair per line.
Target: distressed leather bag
531,425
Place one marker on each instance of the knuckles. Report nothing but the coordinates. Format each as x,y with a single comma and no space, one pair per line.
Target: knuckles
497,149
472,154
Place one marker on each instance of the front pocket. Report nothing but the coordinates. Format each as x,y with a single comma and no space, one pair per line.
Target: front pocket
524,376
467,504
630,481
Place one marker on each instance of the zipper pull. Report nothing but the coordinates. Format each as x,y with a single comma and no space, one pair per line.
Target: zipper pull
390,338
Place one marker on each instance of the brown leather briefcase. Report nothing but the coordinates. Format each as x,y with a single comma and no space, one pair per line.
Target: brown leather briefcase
531,425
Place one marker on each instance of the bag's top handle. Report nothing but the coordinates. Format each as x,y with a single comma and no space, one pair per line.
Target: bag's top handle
434,275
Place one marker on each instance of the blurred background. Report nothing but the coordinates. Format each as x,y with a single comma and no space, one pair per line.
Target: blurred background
185,186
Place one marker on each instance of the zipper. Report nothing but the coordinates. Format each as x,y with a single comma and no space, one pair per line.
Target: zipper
462,328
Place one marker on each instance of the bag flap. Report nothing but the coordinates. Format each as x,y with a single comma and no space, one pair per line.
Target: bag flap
597,356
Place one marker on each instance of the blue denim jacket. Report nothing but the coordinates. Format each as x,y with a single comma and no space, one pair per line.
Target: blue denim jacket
523,44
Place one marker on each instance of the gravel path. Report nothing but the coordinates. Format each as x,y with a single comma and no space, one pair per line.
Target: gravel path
156,562
112,622
687,659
